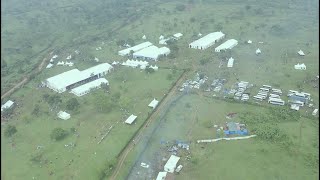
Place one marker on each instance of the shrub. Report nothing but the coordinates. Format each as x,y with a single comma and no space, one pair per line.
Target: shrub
10,130
58,134
180,7
72,104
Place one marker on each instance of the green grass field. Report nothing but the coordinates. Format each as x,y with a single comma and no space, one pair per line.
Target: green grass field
284,27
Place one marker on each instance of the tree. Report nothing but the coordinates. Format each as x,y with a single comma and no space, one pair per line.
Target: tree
149,70
58,134
10,130
103,104
121,42
73,104
204,61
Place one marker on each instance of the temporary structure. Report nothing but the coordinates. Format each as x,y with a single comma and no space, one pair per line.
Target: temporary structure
178,35
161,37
229,44
153,103
258,51
249,42
63,115
230,62
86,88
131,119
161,176
300,66
301,53
144,37
7,105
207,41
171,164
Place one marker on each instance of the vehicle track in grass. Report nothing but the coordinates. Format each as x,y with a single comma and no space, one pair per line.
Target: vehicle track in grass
153,116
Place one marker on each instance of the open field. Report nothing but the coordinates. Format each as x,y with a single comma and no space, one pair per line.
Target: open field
63,26
250,159
88,157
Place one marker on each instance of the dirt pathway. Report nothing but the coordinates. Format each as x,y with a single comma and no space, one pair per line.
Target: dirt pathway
25,79
138,136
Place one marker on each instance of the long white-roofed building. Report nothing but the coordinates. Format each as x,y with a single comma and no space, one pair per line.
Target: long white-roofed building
131,119
86,88
171,164
135,48
151,53
207,41
229,44
7,105
70,79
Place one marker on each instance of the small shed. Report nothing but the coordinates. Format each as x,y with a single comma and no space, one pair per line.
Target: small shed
249,42
161,176
153,103
131,119
161,37
7,105
258,51
230,62
144,37
301,53
295,107
171,164
63,115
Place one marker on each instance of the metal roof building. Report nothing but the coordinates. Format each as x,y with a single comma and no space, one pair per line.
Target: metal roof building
131,119
207,41
7,105
151,52
171,163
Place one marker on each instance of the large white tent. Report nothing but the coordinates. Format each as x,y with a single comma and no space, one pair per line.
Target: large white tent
63,115
61,82
207,41
229,44
135,48
171,164
153,103
86,88
151,52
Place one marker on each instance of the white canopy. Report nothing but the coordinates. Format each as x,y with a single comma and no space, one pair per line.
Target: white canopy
144,37
171,163
131,119
249,42
301,53
300,66
63,115
153,103
7,105
258,51
161,37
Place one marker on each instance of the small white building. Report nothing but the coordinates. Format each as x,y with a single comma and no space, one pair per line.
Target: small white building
161,37
131,119
258,51
7,105
134,48
96,59
164,41
144,37
249,41
207,41
301,53
68,63
300,66
171,164
177,35
315,112
63,115
295,107
86,88
69,57
153,103
135,63
152,53
55,56
161,176
230,62
199,35
229,44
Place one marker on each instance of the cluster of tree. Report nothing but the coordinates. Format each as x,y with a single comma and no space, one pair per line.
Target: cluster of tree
180,7
122,42
72,104
52,99
149,70
107,169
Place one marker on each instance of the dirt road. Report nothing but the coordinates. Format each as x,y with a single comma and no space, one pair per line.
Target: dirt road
25,79
138,136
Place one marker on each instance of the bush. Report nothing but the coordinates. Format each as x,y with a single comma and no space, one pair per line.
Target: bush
204,61
72,104
169,77
149,70
10,130
58,134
